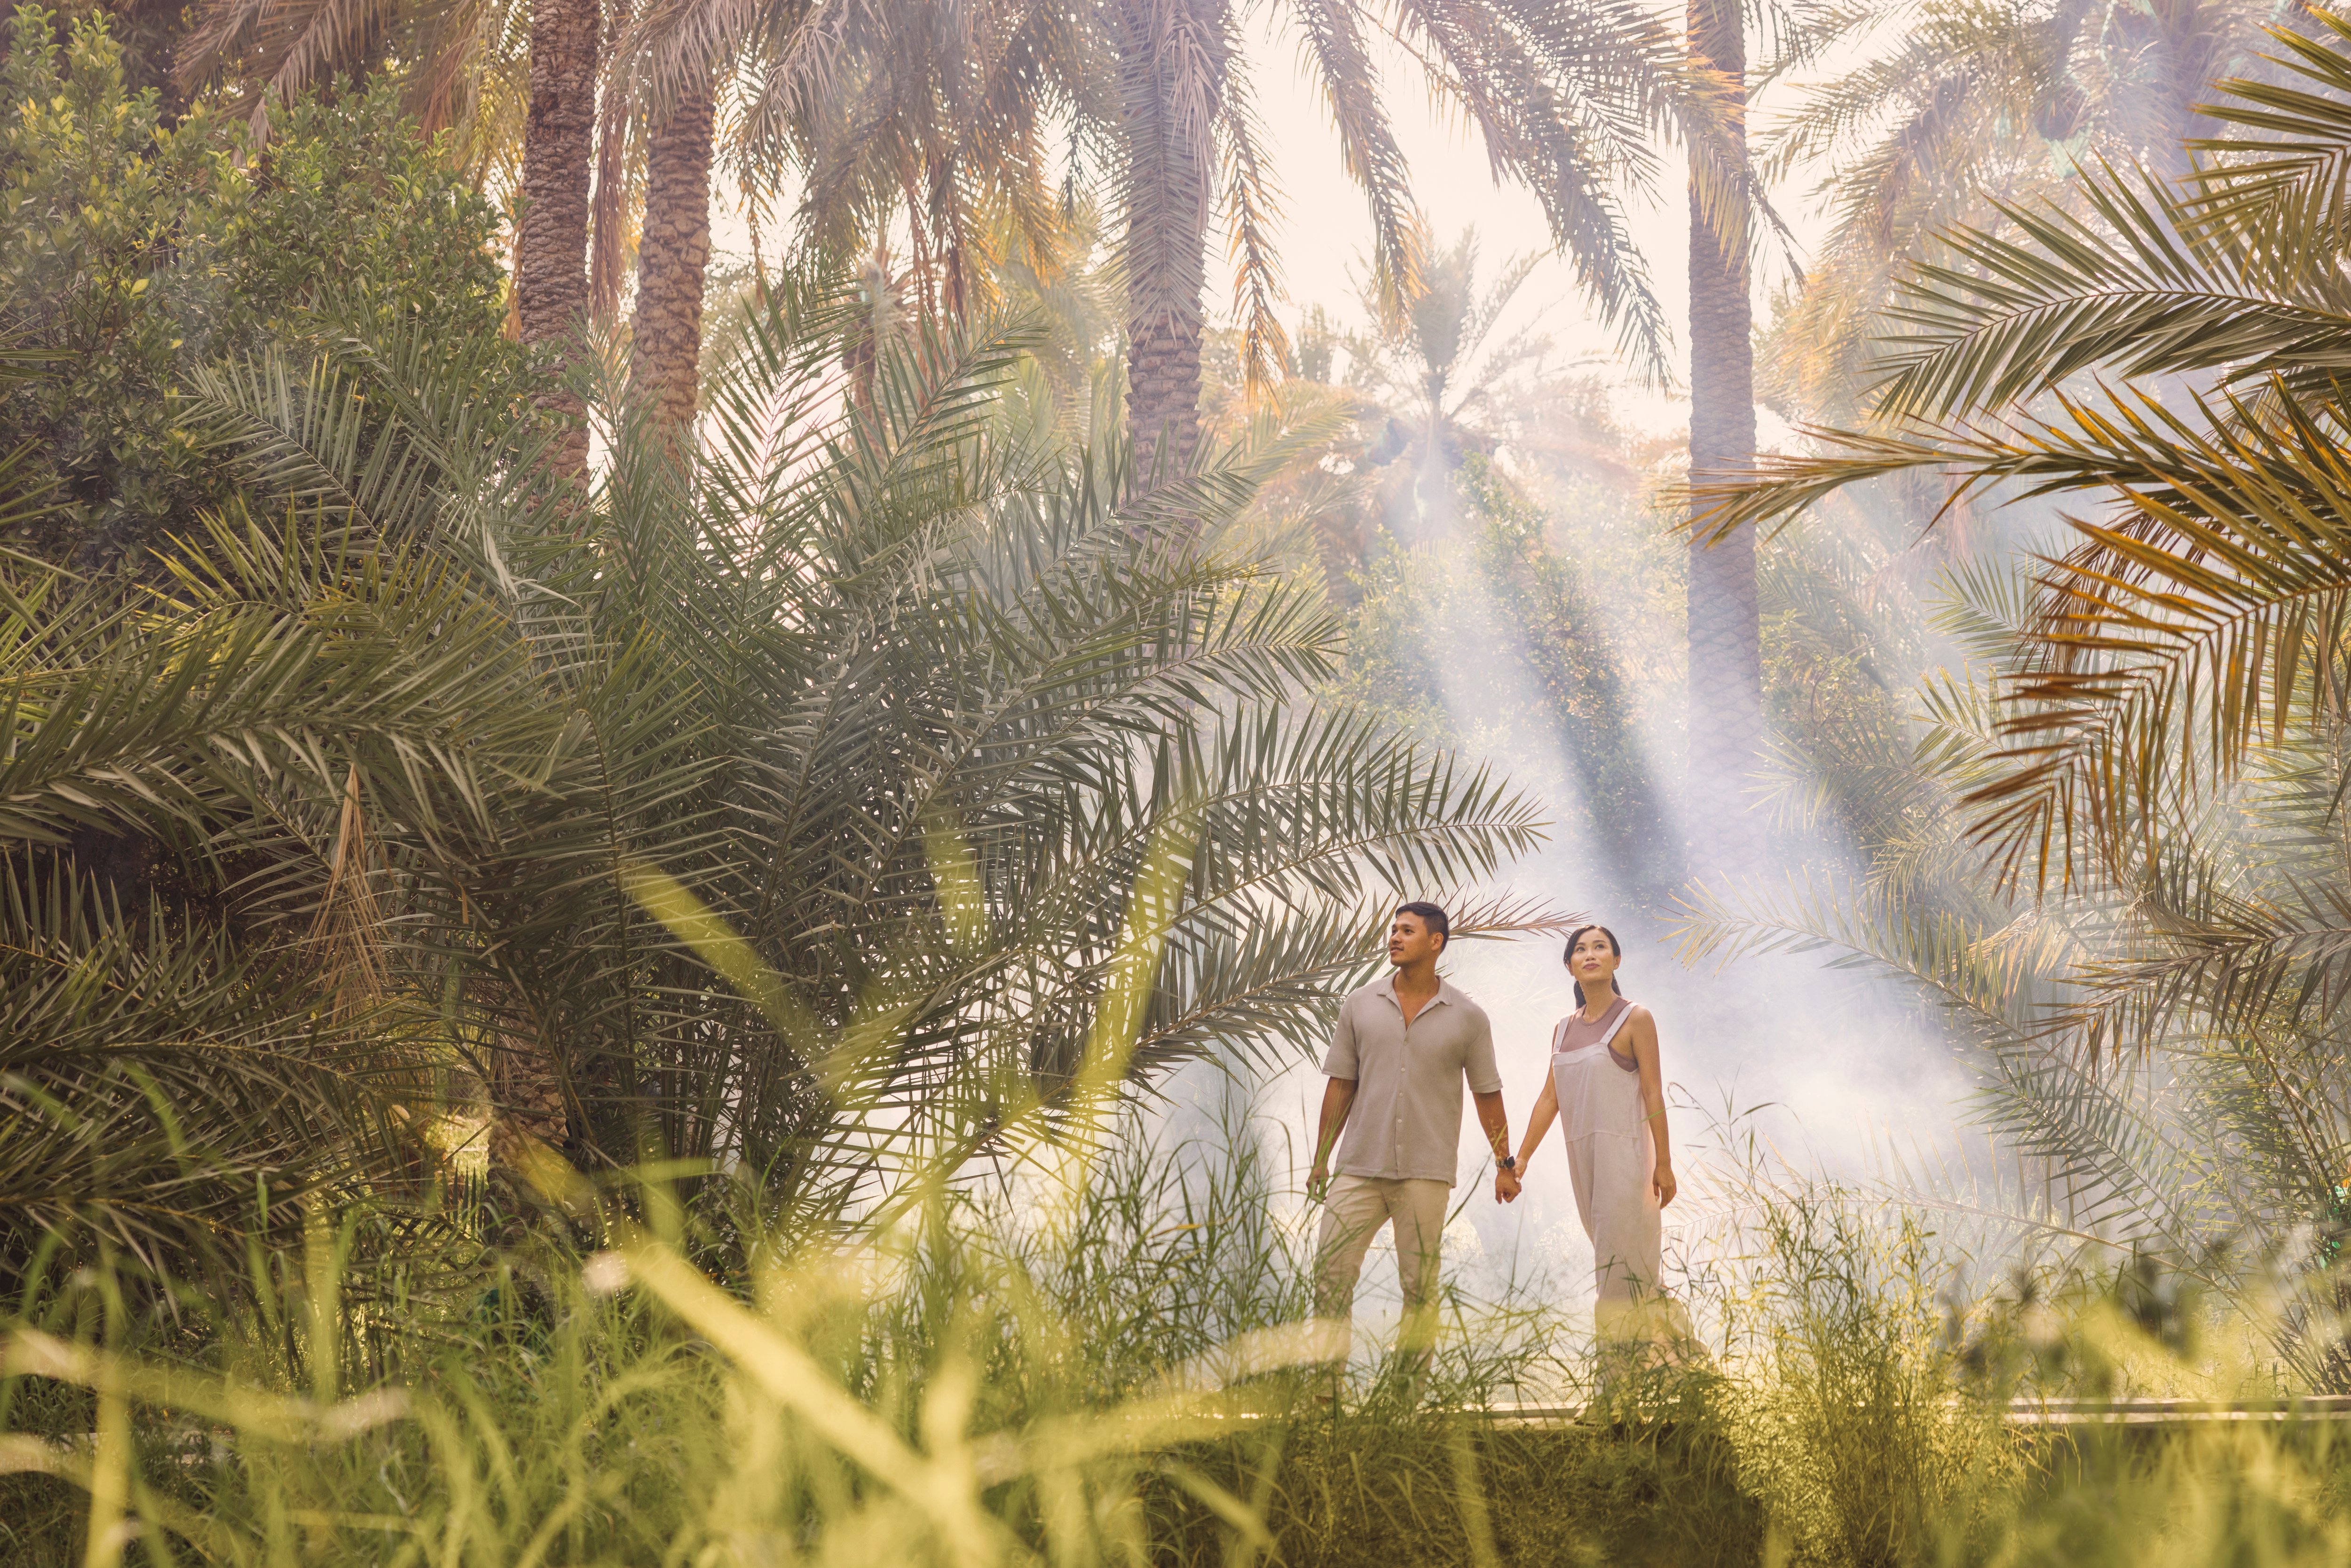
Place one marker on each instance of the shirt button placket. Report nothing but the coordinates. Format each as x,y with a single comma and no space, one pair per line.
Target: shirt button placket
1395,1160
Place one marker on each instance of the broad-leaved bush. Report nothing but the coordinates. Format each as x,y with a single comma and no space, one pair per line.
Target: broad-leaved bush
133,251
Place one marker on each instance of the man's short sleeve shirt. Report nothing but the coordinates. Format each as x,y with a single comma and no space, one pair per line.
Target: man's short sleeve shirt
1407,1118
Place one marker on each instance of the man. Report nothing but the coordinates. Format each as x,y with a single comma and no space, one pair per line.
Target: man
1402,1047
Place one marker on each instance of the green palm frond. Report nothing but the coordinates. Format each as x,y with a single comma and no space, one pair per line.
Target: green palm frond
452,53
2155,1040
1335,45
2118,855
1251,196
2289,172
1964,122
2121,1163
1571,101
154,1074
881,789
2148,282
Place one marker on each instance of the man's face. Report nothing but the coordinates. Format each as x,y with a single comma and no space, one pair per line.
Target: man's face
1410,941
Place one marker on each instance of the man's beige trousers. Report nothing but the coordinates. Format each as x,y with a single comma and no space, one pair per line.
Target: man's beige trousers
1351,1214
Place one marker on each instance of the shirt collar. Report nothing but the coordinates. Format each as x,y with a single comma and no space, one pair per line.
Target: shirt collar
1445,991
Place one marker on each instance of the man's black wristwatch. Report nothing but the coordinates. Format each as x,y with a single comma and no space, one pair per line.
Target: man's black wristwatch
1508,1163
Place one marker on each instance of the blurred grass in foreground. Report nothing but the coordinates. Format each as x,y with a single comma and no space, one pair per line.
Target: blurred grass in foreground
1113,1374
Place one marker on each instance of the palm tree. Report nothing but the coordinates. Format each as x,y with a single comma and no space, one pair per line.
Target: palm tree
2154,1049
1174,59
1970,107
1567,97
2198,574
2118,852
454,58
938,117
551,244
1440,385
463,65
946,120
652,68
1726,659
884,793
665,329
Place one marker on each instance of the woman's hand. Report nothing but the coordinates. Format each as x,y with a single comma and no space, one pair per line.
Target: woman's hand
1665,1184
1506,1187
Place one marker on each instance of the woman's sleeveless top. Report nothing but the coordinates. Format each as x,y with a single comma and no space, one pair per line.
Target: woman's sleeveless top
1577,1032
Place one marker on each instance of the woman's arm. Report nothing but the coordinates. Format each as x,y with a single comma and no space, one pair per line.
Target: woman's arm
1539,1120
1644,1031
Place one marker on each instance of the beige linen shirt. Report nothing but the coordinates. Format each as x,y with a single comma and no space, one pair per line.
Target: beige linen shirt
1406,1122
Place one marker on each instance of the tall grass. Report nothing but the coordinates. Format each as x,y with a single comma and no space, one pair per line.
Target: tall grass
1844,1407
1100,1365
1072,1364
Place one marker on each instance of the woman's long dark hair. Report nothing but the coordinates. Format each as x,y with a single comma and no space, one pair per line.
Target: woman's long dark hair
1569,956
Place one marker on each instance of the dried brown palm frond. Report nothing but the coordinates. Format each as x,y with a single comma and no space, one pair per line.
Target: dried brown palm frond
347,937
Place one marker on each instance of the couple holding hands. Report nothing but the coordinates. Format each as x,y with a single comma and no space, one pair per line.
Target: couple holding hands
1404,1047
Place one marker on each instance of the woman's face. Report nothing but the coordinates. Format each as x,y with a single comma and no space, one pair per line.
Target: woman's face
1592,959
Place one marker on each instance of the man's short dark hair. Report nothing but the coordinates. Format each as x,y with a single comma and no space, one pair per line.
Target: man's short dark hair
1431,916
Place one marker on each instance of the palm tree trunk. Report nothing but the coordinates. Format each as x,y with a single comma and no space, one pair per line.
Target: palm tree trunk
1171,80
551,306
1725,666
673,256
608,245
551,252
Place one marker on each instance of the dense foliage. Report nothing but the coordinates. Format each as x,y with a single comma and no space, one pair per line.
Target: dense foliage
887,787
134,253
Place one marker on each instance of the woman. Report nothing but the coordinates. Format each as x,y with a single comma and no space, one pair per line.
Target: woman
1606,1092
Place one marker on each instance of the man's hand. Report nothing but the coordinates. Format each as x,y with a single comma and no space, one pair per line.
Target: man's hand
1318,1184
1665,1185
1506,1187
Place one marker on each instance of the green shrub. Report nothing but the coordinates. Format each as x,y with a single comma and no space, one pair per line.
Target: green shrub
132,252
